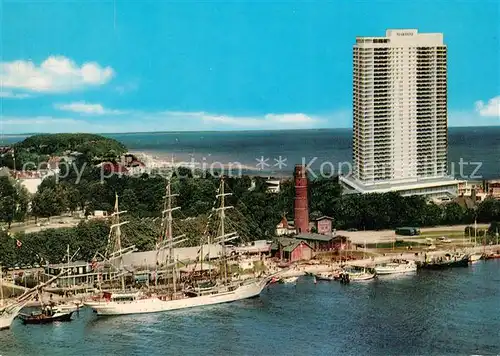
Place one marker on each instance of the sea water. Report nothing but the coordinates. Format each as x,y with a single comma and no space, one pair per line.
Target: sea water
448,312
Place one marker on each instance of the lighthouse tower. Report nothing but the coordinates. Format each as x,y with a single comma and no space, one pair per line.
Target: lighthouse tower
301,204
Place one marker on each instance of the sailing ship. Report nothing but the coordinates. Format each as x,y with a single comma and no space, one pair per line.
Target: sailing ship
396,267
225,290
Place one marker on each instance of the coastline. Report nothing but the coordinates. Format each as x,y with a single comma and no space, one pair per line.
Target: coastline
166,160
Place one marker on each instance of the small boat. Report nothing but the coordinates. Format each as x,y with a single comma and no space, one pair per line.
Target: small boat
475,257
492,255
289,280
363,274
395,267
45,317
326,276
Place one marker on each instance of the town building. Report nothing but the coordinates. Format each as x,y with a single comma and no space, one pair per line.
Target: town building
323,225
400,130
318,242
292,250
493,188
285,227
273,185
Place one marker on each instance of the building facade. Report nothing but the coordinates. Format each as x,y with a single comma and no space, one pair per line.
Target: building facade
324,225
400,133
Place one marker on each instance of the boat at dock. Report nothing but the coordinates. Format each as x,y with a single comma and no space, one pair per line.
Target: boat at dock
474,257
396,267
46,316
326,276
359,274
446,261
289,280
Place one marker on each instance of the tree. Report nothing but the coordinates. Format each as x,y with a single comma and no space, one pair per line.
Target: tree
8,200
453,213
49,202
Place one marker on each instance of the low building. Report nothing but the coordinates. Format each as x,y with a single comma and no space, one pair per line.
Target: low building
318,242
292,250
437,188
81,273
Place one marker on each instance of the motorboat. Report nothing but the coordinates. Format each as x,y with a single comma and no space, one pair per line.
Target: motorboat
289,280
396,267
362,274
47,316
327,276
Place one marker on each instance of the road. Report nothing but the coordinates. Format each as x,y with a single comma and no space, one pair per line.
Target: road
55,222
360,237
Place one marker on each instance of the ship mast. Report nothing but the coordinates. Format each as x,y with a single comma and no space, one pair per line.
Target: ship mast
115,239
223,236
167,239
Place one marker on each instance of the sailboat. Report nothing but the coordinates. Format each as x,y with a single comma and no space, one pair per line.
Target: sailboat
224,291
9,312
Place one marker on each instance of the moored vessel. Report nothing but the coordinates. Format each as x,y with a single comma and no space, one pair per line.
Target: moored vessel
474,257
396,267
47,316
446,261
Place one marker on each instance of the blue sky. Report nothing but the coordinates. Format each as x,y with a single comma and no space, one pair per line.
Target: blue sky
118,66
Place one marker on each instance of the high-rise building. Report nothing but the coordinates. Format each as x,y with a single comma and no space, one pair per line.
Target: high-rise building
400,134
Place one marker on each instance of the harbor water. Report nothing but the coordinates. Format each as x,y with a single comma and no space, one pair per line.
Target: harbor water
448,312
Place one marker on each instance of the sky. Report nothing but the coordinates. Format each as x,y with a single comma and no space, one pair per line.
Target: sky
129,66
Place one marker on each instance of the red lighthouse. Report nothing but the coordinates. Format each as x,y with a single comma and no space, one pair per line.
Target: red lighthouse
301,203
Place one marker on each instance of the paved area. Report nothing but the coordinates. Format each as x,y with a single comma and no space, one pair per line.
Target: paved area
371,236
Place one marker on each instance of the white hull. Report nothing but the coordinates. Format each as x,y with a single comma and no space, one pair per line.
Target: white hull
155,305
64,308
475,257
290,280
396,269
361,276
8,314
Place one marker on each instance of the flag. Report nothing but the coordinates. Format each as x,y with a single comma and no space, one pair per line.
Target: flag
94,264
18,244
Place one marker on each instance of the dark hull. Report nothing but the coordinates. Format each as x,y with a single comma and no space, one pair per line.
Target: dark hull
445,264
29,319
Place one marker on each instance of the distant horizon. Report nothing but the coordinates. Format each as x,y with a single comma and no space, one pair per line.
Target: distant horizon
3,134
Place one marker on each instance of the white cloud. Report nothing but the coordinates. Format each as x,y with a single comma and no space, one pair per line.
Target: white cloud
87,108
55,74
265,121
490,109
12,95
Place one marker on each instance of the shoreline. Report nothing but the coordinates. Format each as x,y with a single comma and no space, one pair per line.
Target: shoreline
164,160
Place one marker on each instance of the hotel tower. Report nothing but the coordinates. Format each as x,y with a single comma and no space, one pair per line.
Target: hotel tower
400,134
